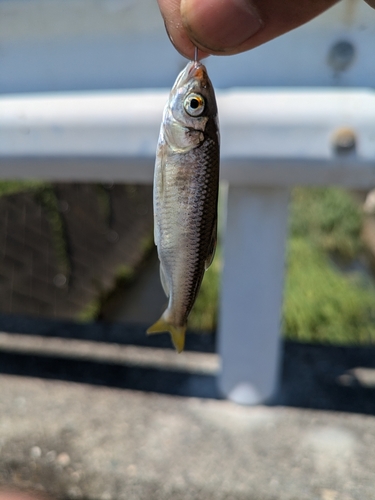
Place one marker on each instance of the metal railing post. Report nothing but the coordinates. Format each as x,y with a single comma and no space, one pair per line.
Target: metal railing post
252,292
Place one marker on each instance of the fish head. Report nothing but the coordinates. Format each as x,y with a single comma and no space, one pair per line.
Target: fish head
192,102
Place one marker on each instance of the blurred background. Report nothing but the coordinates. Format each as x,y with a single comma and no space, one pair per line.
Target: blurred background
92,408
71,250
85,252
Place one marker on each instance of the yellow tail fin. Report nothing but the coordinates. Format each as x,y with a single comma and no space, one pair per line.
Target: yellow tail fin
177,332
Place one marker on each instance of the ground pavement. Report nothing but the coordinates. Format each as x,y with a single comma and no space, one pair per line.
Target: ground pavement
87,419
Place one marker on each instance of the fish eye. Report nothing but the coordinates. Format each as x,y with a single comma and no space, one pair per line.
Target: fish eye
194,104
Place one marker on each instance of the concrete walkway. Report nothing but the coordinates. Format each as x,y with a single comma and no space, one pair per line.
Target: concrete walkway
76,439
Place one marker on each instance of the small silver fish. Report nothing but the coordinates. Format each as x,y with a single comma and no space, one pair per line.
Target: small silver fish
186,186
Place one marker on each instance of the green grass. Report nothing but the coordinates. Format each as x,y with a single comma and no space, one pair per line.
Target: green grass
124,276
204,313
91,311
328,218
12,187
46,196
321,303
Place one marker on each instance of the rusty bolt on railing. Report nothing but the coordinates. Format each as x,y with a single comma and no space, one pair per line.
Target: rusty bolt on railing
344,141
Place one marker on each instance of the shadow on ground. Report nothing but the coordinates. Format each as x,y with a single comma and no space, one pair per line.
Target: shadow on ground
313,376
172,382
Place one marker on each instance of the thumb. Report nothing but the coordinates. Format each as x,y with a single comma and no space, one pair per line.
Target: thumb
234,26
220,26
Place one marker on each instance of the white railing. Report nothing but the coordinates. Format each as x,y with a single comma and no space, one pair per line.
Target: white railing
271,140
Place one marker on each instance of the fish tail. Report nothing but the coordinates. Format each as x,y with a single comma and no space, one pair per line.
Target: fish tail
177,332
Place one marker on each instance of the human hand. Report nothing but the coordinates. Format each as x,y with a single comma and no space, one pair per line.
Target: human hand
225,27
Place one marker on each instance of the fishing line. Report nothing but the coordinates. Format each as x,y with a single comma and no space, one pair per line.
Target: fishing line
196,60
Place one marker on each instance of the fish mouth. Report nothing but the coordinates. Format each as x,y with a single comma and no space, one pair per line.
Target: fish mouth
194,73
198,71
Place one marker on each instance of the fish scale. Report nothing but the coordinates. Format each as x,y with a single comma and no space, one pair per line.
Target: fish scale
186,184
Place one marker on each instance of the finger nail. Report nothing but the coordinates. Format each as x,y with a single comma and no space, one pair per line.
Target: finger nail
221,26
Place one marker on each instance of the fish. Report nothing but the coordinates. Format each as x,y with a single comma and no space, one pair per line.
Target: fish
185,196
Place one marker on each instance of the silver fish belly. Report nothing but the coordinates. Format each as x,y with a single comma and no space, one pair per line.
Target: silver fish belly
186,186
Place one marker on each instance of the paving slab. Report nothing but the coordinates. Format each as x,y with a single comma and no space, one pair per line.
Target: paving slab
79,441
82,439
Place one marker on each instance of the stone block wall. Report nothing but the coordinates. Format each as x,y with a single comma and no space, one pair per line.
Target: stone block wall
57,257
